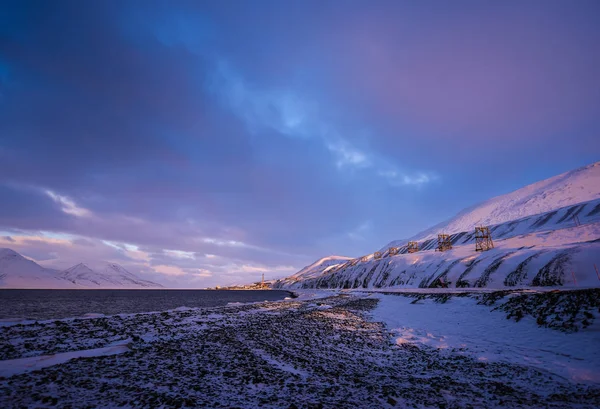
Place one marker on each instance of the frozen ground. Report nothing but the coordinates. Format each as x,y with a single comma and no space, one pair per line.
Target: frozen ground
458,323
332,352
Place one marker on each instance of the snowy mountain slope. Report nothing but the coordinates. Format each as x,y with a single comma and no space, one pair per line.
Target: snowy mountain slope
547,258
18,272
111,276
315,269
80,272
581,213
573,187
545,234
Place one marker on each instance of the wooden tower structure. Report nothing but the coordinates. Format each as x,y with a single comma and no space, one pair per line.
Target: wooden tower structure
412,247
377,255
392,251
483,238
444,242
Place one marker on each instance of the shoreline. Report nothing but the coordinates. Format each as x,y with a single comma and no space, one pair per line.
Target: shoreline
28,306
334,351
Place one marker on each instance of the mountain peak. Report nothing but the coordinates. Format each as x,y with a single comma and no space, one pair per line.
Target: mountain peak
8,252
81,267
569,188
112,268
17,271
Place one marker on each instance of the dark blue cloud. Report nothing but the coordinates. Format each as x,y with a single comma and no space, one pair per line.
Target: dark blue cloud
290,129
26,208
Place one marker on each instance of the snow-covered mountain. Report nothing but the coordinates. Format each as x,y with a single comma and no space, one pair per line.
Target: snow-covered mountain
547,233
569,188
111,276
18,272
315,269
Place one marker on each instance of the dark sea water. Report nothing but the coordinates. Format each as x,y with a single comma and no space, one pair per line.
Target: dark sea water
53,304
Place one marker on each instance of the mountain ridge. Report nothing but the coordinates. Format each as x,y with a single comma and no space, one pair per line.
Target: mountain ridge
554,205
17,271
536,198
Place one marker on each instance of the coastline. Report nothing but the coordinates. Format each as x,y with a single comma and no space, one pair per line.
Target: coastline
333,351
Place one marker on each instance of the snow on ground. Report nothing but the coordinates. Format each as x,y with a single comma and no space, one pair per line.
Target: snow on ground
12,367
323,352
460,324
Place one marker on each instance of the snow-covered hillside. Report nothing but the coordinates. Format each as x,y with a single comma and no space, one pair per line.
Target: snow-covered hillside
111,276
314,270
18,272
573,187
547,233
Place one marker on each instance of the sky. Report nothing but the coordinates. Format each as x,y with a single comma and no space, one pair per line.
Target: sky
202,143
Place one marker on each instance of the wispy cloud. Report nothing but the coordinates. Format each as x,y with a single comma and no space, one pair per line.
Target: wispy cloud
359,232
399,178
180,254
170,270
68,205
277,109
295,116
346,155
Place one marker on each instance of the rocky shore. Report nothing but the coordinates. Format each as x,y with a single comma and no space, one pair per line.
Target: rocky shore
327,353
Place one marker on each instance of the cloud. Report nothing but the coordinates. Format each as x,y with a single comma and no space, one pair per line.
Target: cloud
202,273
155,264
278,109
194,129
170,270
290,114
348,156
180,254
415,179
68,206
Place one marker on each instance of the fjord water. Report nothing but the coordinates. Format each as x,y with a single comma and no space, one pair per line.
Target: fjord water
55,304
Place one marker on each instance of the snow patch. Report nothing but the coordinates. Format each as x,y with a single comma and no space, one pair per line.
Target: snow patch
22,365
463,326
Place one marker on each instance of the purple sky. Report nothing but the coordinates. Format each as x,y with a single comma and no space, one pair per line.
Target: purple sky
206,143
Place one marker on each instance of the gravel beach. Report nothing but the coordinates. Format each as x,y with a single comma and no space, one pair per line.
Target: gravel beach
324,353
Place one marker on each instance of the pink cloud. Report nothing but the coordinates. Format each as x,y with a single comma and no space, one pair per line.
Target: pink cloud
511,72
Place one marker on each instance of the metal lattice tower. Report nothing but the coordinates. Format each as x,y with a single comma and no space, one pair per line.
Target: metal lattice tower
377,255
412,247
483,238
444,242
393,251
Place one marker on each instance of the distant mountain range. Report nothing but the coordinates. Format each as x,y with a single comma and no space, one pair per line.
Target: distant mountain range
111,275
546,233
18,272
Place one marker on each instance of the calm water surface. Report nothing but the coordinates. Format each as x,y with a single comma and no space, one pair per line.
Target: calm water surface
50,304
